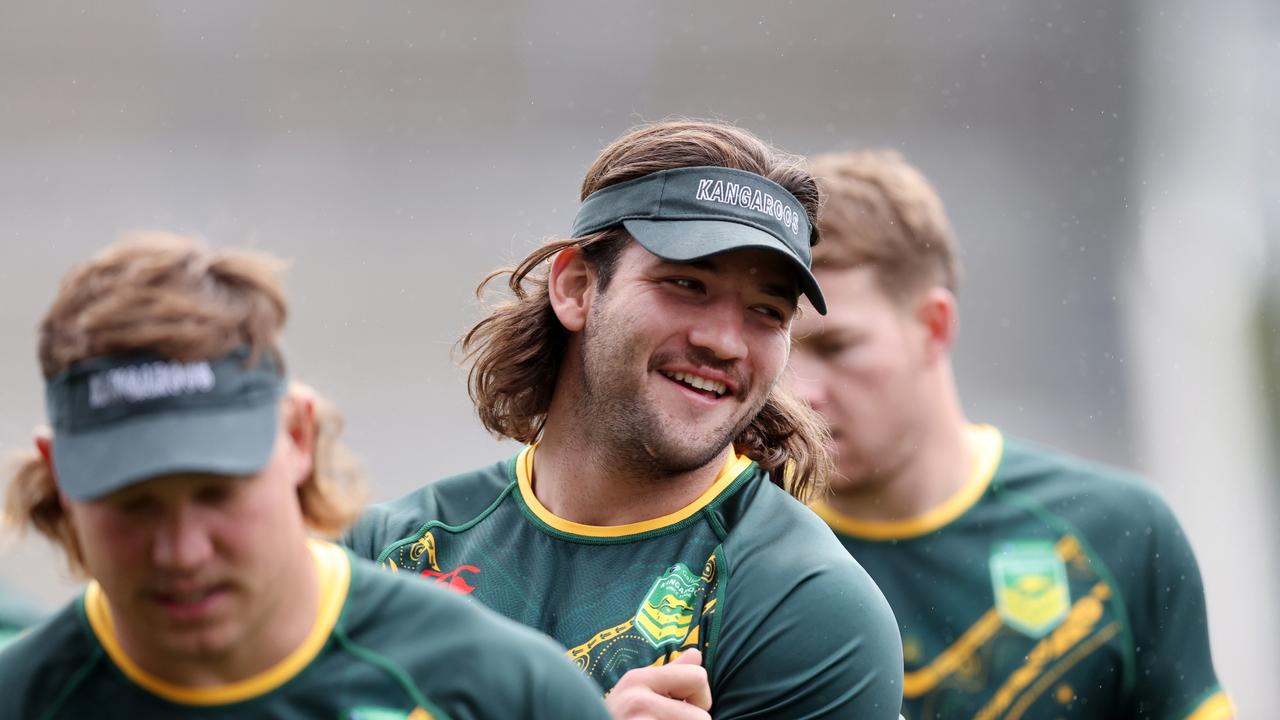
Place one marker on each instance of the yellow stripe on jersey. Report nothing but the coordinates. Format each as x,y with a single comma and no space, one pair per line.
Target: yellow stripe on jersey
524,475
333,571
1079,624
987,444
1216,707
919,682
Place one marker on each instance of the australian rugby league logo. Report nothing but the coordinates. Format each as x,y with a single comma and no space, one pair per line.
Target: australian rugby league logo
666,613
1029,580
455,579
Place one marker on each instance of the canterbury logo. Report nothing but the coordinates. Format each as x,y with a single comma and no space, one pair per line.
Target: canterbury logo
454,579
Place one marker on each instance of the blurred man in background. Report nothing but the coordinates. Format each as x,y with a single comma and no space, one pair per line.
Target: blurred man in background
1026,583
654,510
182,476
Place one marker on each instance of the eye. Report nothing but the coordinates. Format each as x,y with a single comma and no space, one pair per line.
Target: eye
772,313
832,347
215,493
136,505
687,283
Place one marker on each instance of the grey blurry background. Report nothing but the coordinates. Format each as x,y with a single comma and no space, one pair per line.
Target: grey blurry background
1110,167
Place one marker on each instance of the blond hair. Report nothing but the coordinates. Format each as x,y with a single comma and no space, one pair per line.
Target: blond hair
880,212
516,350
176,297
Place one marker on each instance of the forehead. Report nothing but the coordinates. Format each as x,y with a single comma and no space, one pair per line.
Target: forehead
173,485
765,268
854,297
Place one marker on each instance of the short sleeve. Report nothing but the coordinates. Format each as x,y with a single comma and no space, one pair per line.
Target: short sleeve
1174,666
809,638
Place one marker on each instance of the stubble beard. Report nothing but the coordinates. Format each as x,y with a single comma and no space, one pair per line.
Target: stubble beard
620,422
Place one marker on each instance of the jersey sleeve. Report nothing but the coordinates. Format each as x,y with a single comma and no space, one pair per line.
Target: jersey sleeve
1174,666
367,536
514,672
811,637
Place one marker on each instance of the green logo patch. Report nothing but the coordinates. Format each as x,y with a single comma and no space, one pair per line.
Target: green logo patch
1029,580
665,615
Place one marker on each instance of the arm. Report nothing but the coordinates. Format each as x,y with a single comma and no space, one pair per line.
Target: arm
1175,677
808,638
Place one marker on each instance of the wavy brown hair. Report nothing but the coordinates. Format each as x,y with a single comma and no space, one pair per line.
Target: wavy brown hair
516,350
879,211
176,297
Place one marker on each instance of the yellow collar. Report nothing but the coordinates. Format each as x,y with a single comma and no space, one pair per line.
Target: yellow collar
988,447
333,569
524,475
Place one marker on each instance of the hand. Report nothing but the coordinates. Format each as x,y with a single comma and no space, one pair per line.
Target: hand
676,691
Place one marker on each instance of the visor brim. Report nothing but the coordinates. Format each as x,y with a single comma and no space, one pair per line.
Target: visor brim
93,463
687,240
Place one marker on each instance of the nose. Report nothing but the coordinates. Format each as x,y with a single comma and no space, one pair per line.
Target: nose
181,542
719,329
805,380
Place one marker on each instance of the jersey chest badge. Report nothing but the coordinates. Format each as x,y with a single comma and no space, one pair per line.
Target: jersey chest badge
1029,580
666,613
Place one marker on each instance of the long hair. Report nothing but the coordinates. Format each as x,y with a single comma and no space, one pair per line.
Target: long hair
516,350
174,296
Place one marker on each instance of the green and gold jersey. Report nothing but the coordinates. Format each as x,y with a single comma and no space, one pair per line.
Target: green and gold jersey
381,648
1046,588
788,624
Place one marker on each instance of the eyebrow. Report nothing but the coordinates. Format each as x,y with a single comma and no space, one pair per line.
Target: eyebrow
789,293
783,291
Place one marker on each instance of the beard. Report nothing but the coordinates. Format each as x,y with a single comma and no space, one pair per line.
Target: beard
623,421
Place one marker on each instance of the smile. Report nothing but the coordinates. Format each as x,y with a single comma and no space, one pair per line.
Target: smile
698,383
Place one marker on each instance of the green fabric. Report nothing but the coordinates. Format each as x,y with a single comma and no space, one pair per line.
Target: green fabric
398,645
1124,637
789,625
215,416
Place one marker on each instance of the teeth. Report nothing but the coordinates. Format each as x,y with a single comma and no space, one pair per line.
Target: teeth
701,383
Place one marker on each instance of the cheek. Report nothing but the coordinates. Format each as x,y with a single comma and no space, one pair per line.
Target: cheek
108,539
772,351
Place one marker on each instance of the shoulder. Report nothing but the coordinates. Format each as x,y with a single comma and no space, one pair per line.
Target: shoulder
493,662
453,501
15,612
770,531
1093,497
792,593
39,664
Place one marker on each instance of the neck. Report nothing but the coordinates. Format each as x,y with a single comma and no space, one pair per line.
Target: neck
593,480
936,463
280,630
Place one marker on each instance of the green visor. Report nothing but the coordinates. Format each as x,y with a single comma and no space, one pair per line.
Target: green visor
121,420
691,213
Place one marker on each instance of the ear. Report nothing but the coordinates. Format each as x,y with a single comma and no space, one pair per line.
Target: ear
300,429
42,436
936,312
569,286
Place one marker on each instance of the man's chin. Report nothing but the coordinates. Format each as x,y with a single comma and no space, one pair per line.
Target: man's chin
678,454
